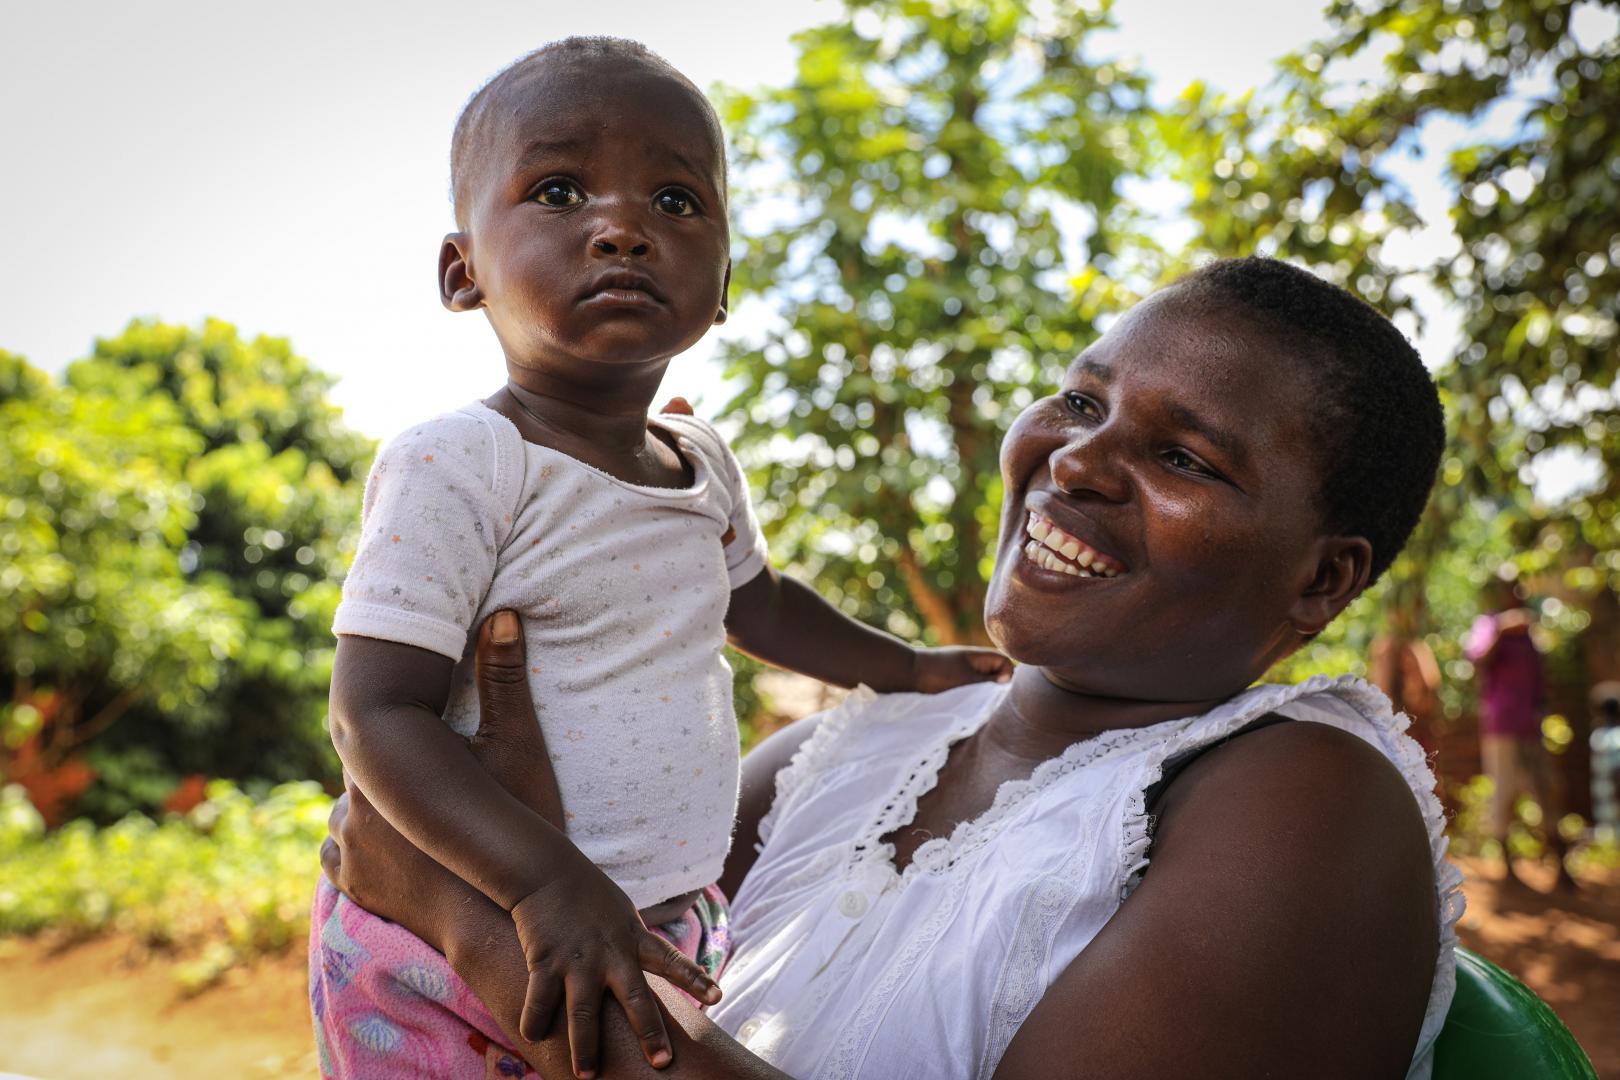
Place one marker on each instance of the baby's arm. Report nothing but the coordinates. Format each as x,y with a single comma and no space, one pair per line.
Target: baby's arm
439,508
786,623
580,933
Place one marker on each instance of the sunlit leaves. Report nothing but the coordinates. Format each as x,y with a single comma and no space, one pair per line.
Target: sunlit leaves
910,205
173,521
235,875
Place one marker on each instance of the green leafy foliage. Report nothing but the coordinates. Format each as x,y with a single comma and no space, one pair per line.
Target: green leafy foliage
904,200
1316,167
178,514
229,881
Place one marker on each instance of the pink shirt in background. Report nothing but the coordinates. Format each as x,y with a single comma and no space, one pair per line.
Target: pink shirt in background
1511,685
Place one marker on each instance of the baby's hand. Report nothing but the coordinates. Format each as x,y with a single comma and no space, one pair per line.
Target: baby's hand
582,936
939,669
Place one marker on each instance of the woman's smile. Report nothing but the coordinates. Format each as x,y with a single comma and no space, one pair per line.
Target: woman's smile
1051,547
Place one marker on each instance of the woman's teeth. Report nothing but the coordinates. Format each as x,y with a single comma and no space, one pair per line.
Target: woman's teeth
1048,542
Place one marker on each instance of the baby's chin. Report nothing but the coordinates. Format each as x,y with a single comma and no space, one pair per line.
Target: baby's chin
628,343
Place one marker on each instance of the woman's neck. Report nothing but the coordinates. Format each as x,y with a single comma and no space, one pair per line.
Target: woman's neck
1040,716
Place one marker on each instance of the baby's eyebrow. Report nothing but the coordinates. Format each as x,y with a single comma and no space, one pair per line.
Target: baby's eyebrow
546,148
689,165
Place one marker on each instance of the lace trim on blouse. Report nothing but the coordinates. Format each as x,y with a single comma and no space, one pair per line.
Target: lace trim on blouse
812,755
1022,983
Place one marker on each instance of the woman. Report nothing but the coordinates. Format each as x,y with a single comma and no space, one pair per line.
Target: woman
1124,863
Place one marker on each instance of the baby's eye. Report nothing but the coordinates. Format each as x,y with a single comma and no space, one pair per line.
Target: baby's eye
559,192
1081,405
676,202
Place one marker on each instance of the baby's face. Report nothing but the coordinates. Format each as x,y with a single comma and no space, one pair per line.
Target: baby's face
597,227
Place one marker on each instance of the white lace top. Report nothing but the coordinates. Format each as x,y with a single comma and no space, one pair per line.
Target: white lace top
844,968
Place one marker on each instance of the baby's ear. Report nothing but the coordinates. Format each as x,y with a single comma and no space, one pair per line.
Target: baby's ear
725,296
457,290
1343,565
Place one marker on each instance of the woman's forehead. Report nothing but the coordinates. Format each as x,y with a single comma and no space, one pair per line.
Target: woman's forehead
1205,370
1188,346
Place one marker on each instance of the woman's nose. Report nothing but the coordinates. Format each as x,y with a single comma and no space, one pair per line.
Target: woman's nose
1090,464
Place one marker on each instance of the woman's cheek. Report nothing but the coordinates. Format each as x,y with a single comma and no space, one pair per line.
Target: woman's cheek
1028,439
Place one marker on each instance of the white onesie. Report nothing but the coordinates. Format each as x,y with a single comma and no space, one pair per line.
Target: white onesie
623,591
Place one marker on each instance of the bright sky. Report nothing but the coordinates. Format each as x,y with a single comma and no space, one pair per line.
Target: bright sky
284,166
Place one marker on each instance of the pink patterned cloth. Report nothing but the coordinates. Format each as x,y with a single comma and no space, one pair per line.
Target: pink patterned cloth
387,1006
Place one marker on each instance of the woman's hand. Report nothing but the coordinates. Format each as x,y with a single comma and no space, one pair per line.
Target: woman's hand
366,859
560,927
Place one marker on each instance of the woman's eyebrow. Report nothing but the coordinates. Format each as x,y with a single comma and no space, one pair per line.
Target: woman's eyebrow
1096,369
1223,440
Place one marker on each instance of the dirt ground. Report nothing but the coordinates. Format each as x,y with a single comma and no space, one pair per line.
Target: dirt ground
1565,947
93,1011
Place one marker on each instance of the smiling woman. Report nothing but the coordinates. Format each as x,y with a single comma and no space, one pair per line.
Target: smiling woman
1128,857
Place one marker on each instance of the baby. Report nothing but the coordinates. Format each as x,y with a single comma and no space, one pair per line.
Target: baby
590,198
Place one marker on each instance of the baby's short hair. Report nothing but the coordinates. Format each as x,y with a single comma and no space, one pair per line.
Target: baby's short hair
1378,422
474,120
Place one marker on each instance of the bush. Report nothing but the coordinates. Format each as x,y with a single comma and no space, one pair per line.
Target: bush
229,881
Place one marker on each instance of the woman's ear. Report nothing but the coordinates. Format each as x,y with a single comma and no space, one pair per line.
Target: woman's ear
1343,565
725,295
457,290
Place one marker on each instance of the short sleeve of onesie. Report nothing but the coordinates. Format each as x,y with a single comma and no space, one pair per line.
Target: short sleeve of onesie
437,510
745,549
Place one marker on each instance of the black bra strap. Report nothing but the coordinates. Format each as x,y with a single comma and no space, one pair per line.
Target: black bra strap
1173,767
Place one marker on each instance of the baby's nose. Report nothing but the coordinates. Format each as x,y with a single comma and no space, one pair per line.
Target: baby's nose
619,234
612,247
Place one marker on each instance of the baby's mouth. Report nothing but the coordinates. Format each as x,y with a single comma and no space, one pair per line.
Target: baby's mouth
1053,549
624,285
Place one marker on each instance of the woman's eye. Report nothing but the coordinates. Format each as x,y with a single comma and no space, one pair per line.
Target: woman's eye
1180,459
559,193
1081,405
675,202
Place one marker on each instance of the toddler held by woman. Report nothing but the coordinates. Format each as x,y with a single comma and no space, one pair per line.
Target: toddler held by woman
590,197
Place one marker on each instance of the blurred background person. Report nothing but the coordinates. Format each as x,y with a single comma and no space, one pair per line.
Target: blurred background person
1605,699
1512,696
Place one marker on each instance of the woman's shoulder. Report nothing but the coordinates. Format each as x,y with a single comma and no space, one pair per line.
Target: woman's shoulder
1346,760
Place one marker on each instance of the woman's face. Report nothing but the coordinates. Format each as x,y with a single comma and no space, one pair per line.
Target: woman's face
1160,538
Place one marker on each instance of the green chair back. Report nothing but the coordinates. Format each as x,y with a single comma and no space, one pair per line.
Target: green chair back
1498,1029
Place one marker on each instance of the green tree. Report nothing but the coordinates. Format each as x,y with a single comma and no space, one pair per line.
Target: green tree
907,202
178,516
1311,169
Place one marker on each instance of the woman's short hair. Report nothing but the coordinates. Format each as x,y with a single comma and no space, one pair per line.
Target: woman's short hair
1378,423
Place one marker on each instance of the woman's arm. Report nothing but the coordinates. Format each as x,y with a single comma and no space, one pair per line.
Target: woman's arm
369,861
758,792
1286,928
579,931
